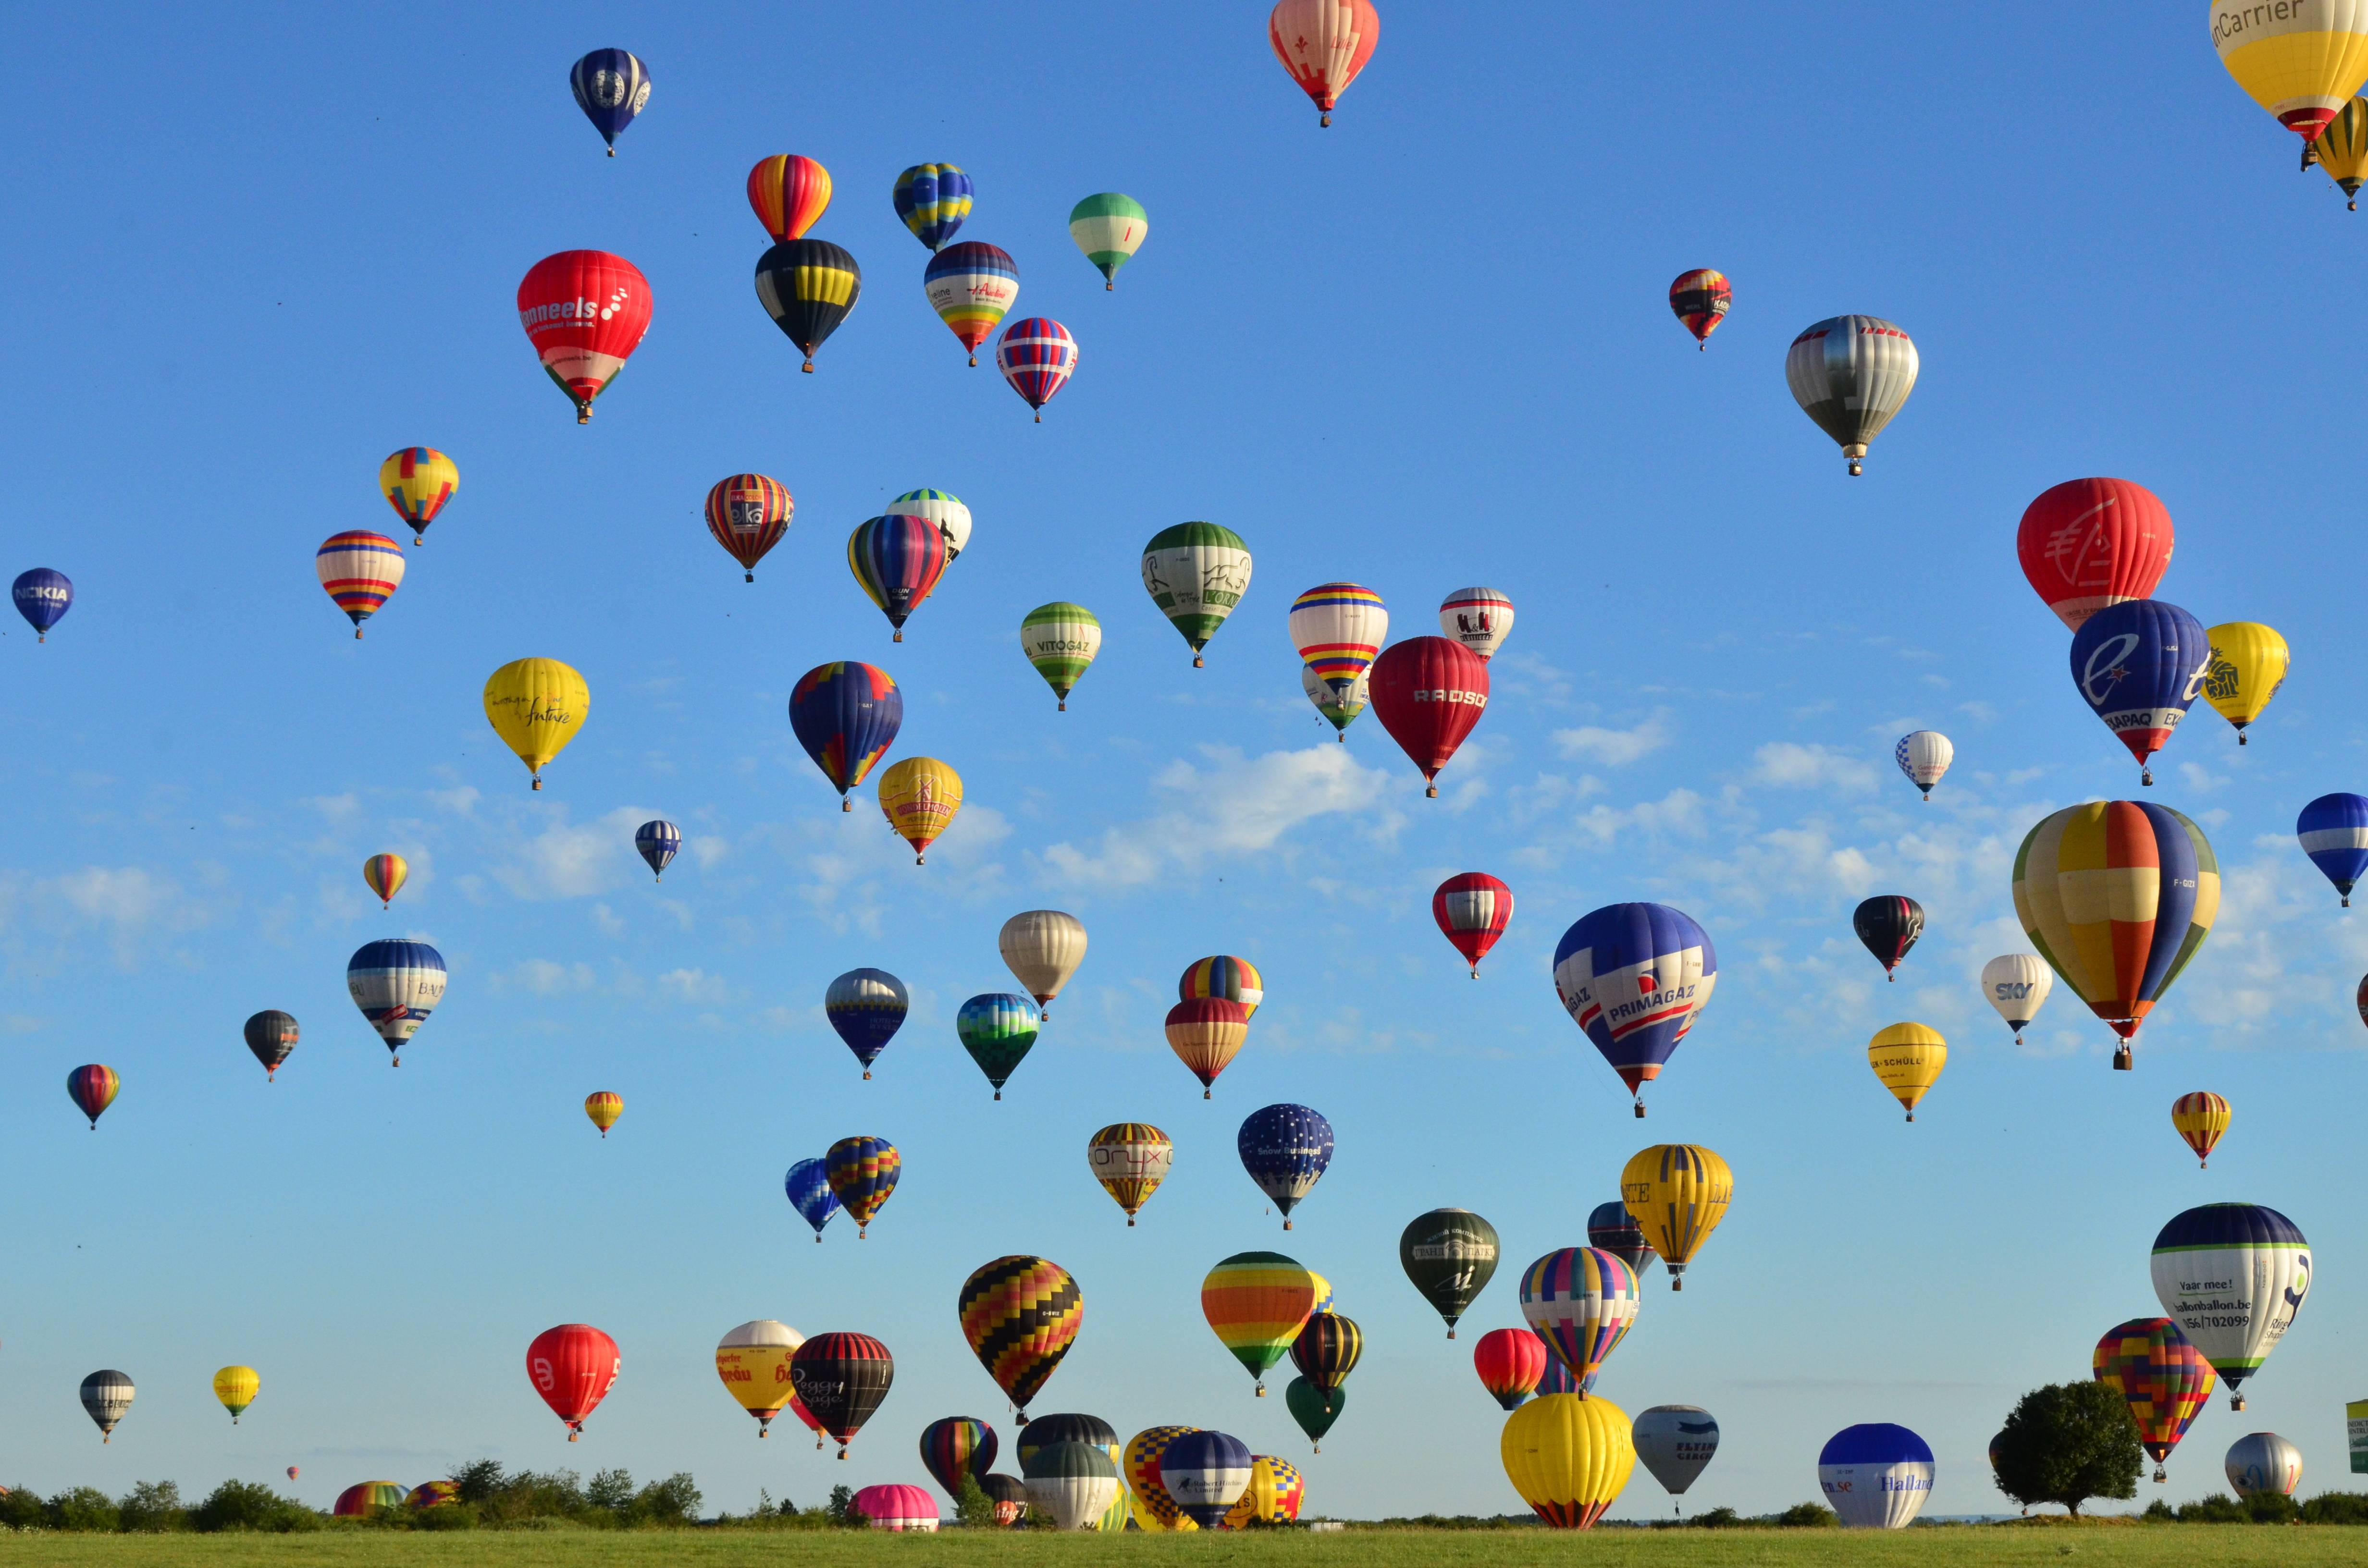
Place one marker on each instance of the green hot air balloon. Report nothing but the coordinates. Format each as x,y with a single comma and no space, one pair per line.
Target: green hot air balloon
1061,638
807,287
1196,573
998,1029
1450,1255
1314,1409
1109,228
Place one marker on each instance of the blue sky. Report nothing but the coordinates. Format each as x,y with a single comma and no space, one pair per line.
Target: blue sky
1426,348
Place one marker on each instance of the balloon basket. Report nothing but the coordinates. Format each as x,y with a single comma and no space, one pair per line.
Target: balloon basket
973,361
2122,1060
866,1078
1324,122
1640,1111
1196,662
1261,1390
2235,1401
1063,707
808,369
750,577
1130,1221
844,805
1286,1225
1112,286
899,637
584,410
1431,793
1204,1095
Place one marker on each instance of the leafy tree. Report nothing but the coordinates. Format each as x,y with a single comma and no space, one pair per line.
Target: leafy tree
246,1505
2336,1508
1808,1516
2068,1442
153,1505
1716,1519
84,1508
674,1501
974,1509
2271,1508
479,1480
21,1509
841,1507
612,1490
2219,1508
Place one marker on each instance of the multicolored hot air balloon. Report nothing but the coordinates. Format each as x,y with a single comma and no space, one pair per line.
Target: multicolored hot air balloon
1472,910
2233,1276
604,1106
997,1030
919,797
1324,44
2333,831
2017,984
1338,628
1205,1035
1429,692
366,1497
2299,61
42,597
2200,1119
2117,897
1679,1193
417,481
841,1379
895,1508
932,199
1677,1443
1196,573
1875,1475
808,287
951,517
2140,665
1480,619
2088,544
1635,976
612,87
1274,1496
657,842
867,1007
2249,664
1907,1059
972,286
808,1186
433,1495
2166,1379
1581,1301
748,514
953,1446
754,1362
1110,228
1042,948
862,1173
896,560
1851,374
585,312
574,1367
1257,1302
1021,1315
1285,1148
845,715
1061,640
107,1399
2342,150
359,570
385,875
1611,1228
1568,1456
1139,1465
1325,1351
788,193
1225,978
1449,1254
396,984
271,1035
1131,1159
236,1388
1888,926
1509,1362
536,706
1037,356
1924,756
1701,298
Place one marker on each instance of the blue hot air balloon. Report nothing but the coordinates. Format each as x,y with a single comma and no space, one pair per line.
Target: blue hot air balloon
1611,1228
2140,664
1285,1148
845,715
808,1186
2334,834
1206,1473
396,984
658,841
867,1007
1635,976
612,87
43,596
1875,1475
933,199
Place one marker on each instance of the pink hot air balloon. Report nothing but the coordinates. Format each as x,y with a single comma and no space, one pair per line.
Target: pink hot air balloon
896,1508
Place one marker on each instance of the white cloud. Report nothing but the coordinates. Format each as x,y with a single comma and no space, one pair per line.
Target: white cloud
546,978
1792,766
696,985
1615,748
708,850
567,861
123,895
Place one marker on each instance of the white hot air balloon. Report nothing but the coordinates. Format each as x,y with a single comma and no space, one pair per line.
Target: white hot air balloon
1042,948
1851,374
1341,709
1477,617
1876,1475
2017,985
1924,756
1677,1443
2232,1276
1072,1484
107,1395
2263,1462
1338,628
947,512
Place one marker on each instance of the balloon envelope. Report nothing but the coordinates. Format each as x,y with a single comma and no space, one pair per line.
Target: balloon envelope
612,87
1207,1034
42,598
808,287
1509,1362
359,570
417,481
1677,1443
236,1388
1851,374
1875,1475
657,842
2200,1120
1429,692
1324,44
1581,1302
867,1007
396,984
1037,356
1338,628
2117,897
2232,1276
573,1367
2299,61
2166,1379
585,312
951,517
1477,617
2017,984
2140,666
808,1186
1568,1456
1110,228
896,1508
1257,1302
753,1360
2087,544
971,286
1130,1159
748,514
536,706
1888,925
1196,573
932,199
841,1379
919,797
1205,1473
1061,640
1072,1484
107,1399
1611,1228
1924,756
2262,1461
956,1446
1020,1314
1042,948
788,193
1472,909
2248,663
1154,1508
1449,1254
1679,1193
1635,976
2333,831
1285,1148
1700,300
271,1035
845,715
862,1172
997,1030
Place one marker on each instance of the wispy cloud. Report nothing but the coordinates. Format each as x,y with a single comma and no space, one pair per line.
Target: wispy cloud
1789,764
1615,748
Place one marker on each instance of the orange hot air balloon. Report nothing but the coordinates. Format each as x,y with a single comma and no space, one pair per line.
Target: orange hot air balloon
384,874
604,1109
1206,1034
788,193
1324,44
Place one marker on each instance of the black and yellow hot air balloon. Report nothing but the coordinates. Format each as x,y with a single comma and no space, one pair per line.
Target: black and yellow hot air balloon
1021,1315
807,287
1325,1352
2342,150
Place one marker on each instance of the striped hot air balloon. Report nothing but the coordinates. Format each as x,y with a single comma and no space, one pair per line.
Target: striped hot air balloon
657,842
1326,1350
1509,1362
788,193
1256,1303
946,511
862,1173
604,1107
92,1087
748,514
841,1380
1110,228
1480,619
1635,977
1021,1315
2200,1120
1568,1456
956,1446
359,570
972,286
1196,573
896,1508
1225,978
867,1007
1679,1193
1061,640
1037,356
1581,1301
1472,909
396,984
612,87
1207,1034
366,1497
1324,44
896,560
1850,375
1338,628
2333,831
385,875
1130,1159
808,287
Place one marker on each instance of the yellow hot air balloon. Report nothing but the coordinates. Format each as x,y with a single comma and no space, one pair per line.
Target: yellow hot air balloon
236,1388
2342,150
754,1362
1908,1058
536,706
385,875
2249,664
919,796
604,1109
1678,1193
2301,60
417,481
1568,1455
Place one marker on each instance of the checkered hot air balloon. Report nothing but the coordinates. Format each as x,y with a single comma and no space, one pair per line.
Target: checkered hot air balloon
417,481
1924,756
2166,1379
1021,1315
1037,356
862,1173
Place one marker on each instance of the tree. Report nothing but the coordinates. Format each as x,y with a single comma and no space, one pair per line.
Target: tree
250,1505
841,1507
2068,1442
153,1505
974,1509
611,1489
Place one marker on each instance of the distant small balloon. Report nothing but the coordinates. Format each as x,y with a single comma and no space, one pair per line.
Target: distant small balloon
657,842
42,598
612,87
1701,298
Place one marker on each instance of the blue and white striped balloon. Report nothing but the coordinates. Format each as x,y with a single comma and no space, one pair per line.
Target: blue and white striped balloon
658,841
2334,834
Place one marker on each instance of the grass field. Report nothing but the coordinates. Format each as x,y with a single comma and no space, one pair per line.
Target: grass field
2230,1546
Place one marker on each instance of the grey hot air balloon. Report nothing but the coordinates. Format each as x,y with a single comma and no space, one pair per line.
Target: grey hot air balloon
1073,1483
1675,1442
107,1395
1851,374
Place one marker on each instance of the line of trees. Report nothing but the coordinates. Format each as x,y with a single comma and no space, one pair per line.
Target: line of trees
488,1495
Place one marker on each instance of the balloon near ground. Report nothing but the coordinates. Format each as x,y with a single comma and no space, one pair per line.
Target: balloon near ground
748,514
1153,1507
1677,1443
2200,1119
1635,977
841,1379
1274,1496
1907,1059
1285,1148
953,1446
1700,300
366,1497
895,1508
1449,1254
862,1172
1256,1303
1568,1456
1206,1473
417,481
1109,228
2088,544
1020,1314
612,87
2248,663
2232,1276
1072,1484
1875,1475
1851,375
754,1362
1679,1193
788,193
536,706
845,715
573,1367
1131,1159
919,797
1324,44
1196,573
585,312
808,287
2262,1461
2165,1377
1428,693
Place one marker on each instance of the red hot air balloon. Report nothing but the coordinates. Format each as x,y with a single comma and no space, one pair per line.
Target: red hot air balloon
788,193
2088,543
585,312
1324,44
92,1088
1472,909
1037,357
1510,1361
573,1367
1430,691
748,513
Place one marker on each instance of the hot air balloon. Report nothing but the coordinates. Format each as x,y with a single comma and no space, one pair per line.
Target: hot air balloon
236,1388
2333,830
1315,1410
788,193
845,715
1428,692
574,1367
536,706
417,481
951,517
611,85
1285,1148
1206,1034
1021,1315
2140,665
754,1362
1477,617
2118,955
1273,1497
1908,1059
1042,948
604,1107
1072,1484
359,570
1196,573
896,560
1110,228
1701,298
2017,985
585,312
1341,708
43,596
2342,150
808,1186
1139,1466
842,1378
808,287
1581,1302
1472,910
1206,1473
1061,640
1045,1431
867,1007
897,1507
107,1398
919,797
1130,1159
657,842
1875,1475
862,1173
2262,1461
433,1495
1924,756
2166,1379
2200,1119
1338,628
1679,1193
932,199
1677,1443
365,1498
1568,1456
1509,1362
1449,1254
2088,544
2299,61
292,1472
971,285
1257,1302
1225,978
1851,374
1037,356
1611,1228
2249,664
1327,1350
956,1446
271,1035
748,514
2233,1275
1635,976
997,1030
385,875
1324,44
396,984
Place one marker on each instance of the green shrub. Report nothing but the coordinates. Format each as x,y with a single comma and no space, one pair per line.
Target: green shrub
153,1505
442,1517
1716,1519
2217,1509
612,1490
2159,1513
674,1501
246,1505
2336,1508
21,1510
2271,1508
1808,1516
84,1508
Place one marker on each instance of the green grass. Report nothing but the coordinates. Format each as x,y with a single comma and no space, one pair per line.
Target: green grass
2232,1546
